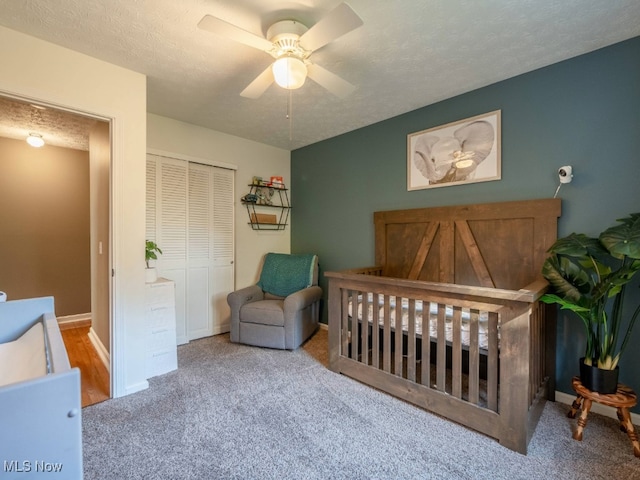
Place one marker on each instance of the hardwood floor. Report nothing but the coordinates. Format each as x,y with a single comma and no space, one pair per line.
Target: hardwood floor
94,376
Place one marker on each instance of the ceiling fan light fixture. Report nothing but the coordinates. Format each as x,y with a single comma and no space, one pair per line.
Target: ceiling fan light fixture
35,140
289,72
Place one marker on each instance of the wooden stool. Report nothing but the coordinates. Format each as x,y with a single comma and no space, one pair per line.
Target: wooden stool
622,400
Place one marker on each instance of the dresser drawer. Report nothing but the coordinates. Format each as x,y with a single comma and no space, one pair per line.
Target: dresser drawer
161,362
157,317
160,293
162,338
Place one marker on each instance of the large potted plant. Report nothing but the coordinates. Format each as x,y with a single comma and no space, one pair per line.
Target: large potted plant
590,276
151,251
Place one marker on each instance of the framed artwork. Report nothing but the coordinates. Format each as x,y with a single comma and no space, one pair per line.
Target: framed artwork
466,151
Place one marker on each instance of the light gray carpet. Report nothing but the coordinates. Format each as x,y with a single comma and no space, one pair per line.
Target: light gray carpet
233,411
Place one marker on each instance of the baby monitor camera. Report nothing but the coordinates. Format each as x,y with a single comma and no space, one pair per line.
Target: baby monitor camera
565,174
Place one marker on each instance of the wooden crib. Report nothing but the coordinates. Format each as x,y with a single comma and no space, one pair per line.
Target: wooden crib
449,318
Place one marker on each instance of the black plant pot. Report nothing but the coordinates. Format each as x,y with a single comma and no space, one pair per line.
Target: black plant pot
597,379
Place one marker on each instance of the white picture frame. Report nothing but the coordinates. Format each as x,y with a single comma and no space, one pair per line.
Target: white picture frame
457,153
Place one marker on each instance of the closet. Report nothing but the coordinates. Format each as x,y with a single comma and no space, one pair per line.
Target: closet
189,214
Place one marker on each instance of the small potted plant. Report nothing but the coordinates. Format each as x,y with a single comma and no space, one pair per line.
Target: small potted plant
151,251
590,276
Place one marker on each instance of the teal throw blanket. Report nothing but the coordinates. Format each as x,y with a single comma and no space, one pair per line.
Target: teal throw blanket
282,274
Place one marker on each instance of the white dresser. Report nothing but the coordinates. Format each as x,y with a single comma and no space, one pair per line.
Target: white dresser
160,317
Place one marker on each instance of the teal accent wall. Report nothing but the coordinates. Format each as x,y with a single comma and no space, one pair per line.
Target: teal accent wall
583,112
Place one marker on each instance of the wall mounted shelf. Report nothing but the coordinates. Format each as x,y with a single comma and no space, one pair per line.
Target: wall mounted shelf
271,209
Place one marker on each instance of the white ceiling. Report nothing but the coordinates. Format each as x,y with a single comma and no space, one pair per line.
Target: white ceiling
408,54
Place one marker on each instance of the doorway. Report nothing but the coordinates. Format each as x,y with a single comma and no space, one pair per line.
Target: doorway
70,137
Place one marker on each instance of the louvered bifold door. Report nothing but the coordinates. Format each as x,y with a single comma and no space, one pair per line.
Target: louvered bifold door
223,246
150,225
200,251
171,221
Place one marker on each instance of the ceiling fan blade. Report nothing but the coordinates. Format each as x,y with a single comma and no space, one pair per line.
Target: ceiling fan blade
336,23
259,85
225,29
323,77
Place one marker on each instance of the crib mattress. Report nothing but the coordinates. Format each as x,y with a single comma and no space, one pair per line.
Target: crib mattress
431,309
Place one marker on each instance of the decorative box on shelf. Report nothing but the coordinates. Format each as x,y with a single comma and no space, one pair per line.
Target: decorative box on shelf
263,218
277,182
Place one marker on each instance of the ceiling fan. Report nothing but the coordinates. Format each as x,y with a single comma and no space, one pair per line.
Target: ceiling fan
291,43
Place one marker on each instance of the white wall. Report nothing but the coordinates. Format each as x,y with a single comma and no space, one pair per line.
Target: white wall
250,158
45,73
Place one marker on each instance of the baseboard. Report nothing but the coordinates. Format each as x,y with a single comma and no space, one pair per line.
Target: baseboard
223,328
74,321
595,407
100,350
323,326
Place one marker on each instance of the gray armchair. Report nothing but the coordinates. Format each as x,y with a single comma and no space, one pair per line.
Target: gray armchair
282,309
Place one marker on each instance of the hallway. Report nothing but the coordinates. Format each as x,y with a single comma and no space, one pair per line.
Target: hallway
94,376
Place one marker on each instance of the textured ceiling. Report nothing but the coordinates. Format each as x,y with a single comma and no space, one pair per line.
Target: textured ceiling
408,53
58,128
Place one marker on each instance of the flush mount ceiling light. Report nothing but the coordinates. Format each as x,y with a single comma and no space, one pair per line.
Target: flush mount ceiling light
35,140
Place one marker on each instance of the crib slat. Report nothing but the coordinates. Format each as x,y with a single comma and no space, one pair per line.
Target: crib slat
441,361
411,341
386,348
354,324
456,359
344,323
492,363
375,332
474,358
425,368
364,329
397,362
